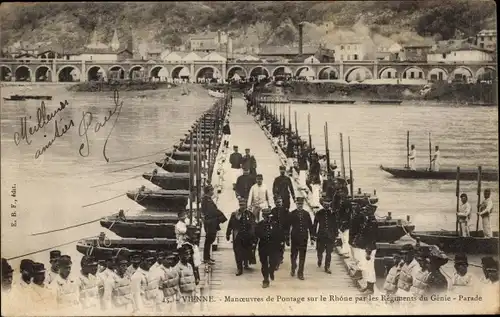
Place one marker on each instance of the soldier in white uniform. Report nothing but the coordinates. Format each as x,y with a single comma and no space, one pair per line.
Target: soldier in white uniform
41,296
135,261
489,282
413,158
121,293
485,210
436,160
155,276
169,283
8,293
54,268
143,292
66,288
106,281
89,285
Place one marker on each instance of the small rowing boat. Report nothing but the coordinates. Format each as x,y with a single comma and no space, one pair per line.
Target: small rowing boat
160,199
24,97
385,101
444,173
450,241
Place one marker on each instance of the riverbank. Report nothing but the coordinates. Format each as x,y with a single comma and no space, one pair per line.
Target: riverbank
123,85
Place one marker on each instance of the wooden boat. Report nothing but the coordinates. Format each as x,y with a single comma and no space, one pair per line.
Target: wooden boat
145,226
169,181
444,173
175,167
392,230
449,241
103,247
385,101
216,94
341,101
160,199
24,97
183,155
187,147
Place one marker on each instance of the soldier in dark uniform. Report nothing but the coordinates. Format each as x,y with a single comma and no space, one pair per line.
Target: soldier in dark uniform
343,209
269,236
280,215
301,227
282,186
210,214
325,232
244,183
437,281
290,153
241,226
249,162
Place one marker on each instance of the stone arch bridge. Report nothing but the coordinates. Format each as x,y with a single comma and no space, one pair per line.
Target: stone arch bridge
72,70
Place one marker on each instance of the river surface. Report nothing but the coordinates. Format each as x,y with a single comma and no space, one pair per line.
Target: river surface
60,188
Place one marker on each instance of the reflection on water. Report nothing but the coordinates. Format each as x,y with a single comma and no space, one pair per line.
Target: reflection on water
52,190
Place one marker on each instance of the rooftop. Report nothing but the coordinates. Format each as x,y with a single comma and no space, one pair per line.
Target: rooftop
487,32
458,46
286,50
204,36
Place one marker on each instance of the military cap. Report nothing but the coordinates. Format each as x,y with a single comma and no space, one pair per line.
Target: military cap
38,267
461,258
300,199
489,263
208,188
136,257
185,249
247,149
235,146
64,260
26,265
282,168
88,261
55,254
245,168
171,256
121,259
6,268
149,255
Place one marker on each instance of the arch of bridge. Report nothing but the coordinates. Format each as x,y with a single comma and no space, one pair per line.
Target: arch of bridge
299,69
153,67
132,68
350,70
257,67
291,68
429,72
63,66
6,66
197,70
484,70
467,69
32,71
98,67
171,71
236,67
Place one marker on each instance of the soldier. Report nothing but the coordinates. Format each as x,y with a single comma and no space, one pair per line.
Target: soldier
66,288
26,269
41,295
6,276
301,227
366,241
282,187
143,293
391,280
280,215
135,261
211,224
244,183
106,281
430,280
303,165
314,180
121,293
461,277
258,197
187,283
241,226
409,269
269,236
54,269
89,285
325,233
235,159
169,283
9,294
249,162
343,208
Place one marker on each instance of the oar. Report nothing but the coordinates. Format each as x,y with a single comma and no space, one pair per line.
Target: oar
479,177
430,153
309,129
327,150
191,172
342,169
457,193
407,149
350,168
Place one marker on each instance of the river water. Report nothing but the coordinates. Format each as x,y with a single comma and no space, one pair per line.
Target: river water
57,189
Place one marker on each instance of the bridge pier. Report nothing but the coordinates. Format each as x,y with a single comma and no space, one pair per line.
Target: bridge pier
224,75
191,73
341,70
375,70
83,73
53,73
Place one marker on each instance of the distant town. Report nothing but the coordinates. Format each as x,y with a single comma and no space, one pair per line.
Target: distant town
216,47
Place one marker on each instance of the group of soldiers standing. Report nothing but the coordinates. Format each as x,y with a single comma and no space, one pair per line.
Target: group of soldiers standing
147,282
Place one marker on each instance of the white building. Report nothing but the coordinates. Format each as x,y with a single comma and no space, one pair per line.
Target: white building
354,49
463,52
487,39
214,56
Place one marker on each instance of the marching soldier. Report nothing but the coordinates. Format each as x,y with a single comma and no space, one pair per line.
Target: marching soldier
249,162
301,227
169,283
135,261
343,209
54,269
258,197
314,180
42,297
235,159
366,241
66,288
269,236
325,232
143,292
241,226
244,183
461,277
280,215
282,187
106,280
187,283
429,279
155,276
9,295
409,269
89,285
211,223
26,269
391,280
121,293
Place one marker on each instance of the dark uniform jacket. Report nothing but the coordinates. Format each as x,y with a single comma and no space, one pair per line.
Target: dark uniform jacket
314,171
269,235
301,227
243,185
235,159
282,186
302,160
344,211
325,225
290,148
249,162
275,129
365,233
280,215
226,129
210,212
241,226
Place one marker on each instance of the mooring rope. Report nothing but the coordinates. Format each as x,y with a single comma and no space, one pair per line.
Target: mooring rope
115,182
101,201
129,168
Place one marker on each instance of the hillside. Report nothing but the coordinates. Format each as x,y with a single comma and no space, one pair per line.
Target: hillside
249,23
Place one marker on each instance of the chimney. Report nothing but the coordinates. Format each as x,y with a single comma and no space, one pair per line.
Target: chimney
218,37
301,25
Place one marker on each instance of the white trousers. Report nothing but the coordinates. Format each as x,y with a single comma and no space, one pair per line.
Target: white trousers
413,165
344,236
487,226
315,195
367,266
302,179
436,166
464,228
290,162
